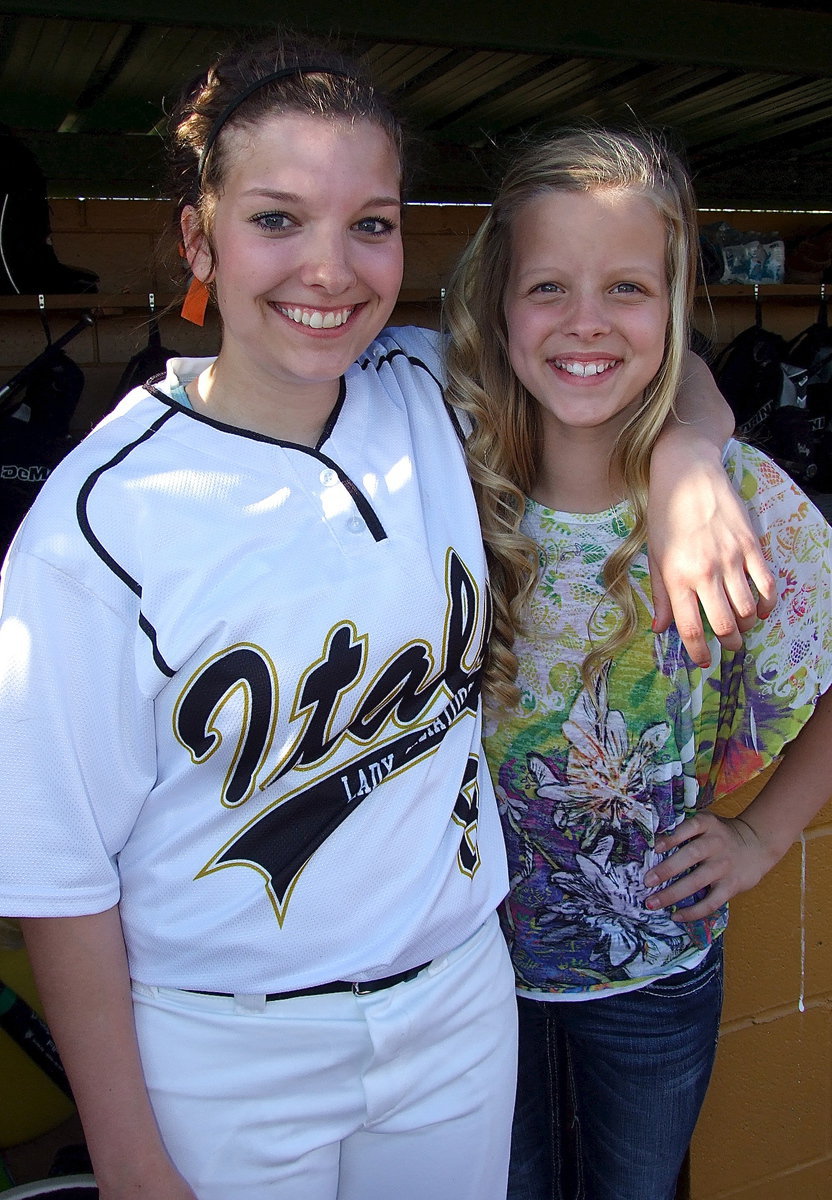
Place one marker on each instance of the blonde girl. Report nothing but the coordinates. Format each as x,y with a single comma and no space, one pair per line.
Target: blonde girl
569,322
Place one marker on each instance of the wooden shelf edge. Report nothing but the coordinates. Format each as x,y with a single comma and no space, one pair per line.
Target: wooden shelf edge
122,301
92,301
744,291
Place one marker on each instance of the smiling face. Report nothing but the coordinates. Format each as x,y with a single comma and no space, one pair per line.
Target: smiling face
586,308
307,253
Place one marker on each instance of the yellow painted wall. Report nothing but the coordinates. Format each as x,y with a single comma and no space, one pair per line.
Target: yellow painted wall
766,1128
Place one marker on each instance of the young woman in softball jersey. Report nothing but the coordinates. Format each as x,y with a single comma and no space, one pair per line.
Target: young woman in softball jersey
246,813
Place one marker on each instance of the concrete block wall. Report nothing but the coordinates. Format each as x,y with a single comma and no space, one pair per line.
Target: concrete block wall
766,1127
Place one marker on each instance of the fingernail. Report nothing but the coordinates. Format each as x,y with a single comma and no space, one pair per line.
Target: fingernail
650,878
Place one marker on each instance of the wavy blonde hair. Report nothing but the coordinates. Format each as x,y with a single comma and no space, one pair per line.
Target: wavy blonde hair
505,444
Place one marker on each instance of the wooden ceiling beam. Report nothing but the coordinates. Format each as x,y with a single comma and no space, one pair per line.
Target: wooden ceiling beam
713,32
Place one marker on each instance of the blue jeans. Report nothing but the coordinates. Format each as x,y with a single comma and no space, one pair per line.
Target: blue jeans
609,1090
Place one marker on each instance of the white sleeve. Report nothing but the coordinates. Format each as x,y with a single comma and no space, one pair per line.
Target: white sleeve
77,739
429,347
425,344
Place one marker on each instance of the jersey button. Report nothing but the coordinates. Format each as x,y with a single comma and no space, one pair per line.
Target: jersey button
355,524
329,477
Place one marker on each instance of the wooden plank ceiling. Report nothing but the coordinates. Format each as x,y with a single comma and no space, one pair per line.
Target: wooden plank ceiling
746,87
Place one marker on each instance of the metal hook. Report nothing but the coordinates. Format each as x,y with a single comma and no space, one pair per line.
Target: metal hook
758,308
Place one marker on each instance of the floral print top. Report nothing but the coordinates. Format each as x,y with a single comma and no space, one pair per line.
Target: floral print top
585,786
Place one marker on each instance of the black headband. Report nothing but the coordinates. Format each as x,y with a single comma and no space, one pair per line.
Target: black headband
241,97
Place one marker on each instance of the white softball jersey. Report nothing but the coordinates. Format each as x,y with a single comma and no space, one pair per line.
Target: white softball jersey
239,688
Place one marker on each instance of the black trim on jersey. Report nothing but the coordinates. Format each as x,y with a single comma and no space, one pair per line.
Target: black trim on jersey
397,352
454,416
363,505
98,547
334,415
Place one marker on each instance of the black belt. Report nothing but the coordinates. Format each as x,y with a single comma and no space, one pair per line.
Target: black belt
364,988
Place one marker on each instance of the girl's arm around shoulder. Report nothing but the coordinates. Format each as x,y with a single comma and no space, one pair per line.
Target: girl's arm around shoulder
80,966
728,855
702,547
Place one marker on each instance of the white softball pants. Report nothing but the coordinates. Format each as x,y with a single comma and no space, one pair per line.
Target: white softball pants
403,1094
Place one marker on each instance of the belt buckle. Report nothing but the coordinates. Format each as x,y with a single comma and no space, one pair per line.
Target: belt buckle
369,986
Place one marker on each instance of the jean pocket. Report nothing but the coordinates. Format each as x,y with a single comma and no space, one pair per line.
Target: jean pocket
685,984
